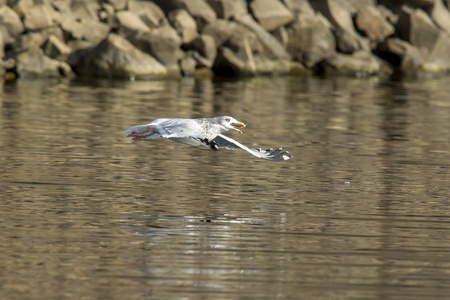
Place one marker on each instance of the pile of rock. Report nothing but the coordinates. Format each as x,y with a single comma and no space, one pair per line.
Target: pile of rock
135,39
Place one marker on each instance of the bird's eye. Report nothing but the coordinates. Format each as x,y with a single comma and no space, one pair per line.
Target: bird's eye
227,119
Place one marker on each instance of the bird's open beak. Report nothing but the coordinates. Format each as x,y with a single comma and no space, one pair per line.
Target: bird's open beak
238,125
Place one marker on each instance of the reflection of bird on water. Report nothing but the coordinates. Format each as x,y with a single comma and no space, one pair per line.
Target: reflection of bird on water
205,131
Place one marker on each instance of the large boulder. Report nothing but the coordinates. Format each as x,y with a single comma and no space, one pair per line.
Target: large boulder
150,13
11,26
227,9
184,24
130,23
373,24
416,27
273,48
204,50
40,16
34,63
441,16
163,43
339,15
85,29
271,14
310,39
199,9
55,48
115,57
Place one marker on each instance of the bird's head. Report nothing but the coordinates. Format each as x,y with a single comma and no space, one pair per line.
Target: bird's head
229,123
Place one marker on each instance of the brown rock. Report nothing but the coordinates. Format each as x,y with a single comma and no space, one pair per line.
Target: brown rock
402,54
149,13
199,9
2,47
370,21
85,29
416,27
184,24
422,3
33,63
41,16
227,9
358,64
338,13
310,39
299,6
83,9
273,47
12,26
36,39
271,14
163,43
118,4
115,57
205,45
55,48
441,16
345,42
187,65
130,23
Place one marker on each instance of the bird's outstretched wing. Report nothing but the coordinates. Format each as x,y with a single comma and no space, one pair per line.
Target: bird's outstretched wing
179,130
223,141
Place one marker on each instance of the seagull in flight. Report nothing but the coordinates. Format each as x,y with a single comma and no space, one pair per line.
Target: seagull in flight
203,131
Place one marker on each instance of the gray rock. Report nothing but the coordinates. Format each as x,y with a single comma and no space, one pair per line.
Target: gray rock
115,57
358,64
34,64
41,16
162,43
441,16
310,39
184,24
271,14
12,26
373,24
149,13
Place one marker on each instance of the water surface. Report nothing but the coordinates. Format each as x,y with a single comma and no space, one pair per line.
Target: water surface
362,211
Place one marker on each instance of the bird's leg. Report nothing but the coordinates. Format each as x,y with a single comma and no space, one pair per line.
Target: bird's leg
211,144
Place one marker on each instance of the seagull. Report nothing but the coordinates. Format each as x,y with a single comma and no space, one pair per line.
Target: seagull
203,131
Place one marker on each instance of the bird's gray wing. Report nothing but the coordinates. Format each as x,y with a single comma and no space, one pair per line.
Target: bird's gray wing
222,141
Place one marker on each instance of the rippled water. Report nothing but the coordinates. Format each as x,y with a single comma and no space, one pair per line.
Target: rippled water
362,211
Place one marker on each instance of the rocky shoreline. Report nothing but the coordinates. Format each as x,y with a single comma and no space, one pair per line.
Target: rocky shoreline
131,39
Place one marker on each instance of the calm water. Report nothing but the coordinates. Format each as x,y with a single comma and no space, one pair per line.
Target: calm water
362,211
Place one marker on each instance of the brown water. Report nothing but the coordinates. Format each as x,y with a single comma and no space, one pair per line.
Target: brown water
362,211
